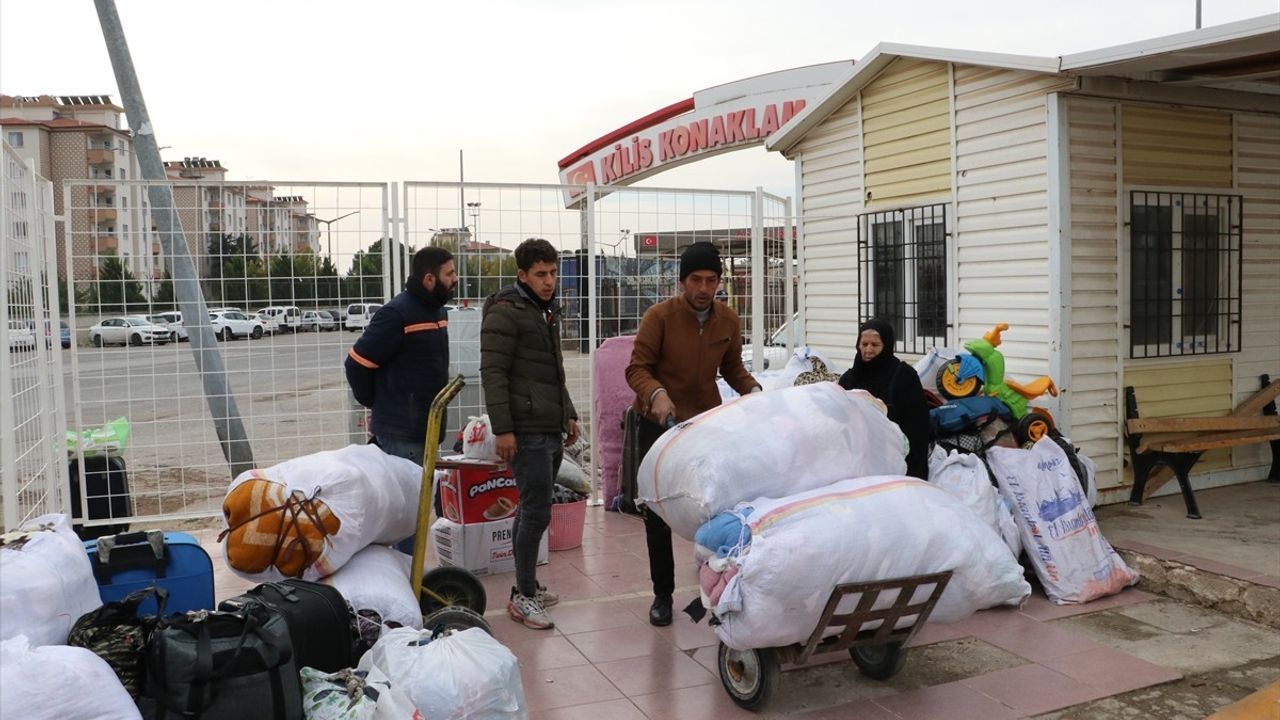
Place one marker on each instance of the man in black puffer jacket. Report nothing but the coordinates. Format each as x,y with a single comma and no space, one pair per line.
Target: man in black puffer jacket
522,369
401,361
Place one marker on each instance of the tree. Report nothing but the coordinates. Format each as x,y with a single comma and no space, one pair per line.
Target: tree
163,294
116,289
364,280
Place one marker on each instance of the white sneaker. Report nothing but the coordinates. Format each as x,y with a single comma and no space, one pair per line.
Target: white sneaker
530,612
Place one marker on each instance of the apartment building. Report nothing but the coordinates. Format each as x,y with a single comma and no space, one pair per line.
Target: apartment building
82,137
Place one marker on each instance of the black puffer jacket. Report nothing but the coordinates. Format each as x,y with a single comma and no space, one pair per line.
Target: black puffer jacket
521,365
400,363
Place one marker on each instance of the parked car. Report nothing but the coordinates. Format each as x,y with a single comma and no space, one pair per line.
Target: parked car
173,321
287,316
20,336
315,320
227,308
64,334
333,322
270,324
128,330
359,315
228,324
774,350
339,314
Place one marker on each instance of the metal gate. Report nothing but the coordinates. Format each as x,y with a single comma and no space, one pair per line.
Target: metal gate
33,470
305,247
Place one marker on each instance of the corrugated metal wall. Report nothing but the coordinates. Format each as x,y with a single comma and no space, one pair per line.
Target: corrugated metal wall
1176,147
1094,384
1002,211
831,199
1258,179
907,134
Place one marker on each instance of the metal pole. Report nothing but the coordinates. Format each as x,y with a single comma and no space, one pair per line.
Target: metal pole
186,286
593,336
1197,14
757,281
8,443
462,194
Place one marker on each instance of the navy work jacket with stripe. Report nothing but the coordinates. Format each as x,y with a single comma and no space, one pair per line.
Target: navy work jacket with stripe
400,363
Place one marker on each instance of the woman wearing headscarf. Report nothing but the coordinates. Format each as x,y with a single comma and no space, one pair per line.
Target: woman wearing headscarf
876,370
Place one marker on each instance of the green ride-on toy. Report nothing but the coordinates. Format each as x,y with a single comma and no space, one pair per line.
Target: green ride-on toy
959,378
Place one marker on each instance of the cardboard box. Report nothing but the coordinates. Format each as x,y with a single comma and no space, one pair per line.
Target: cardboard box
483,548
475,491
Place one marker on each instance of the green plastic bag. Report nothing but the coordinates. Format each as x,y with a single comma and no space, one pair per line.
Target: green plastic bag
110,439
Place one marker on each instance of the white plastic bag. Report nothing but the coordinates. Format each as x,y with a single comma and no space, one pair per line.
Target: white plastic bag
46,581
458,675
1072,559
927,366
768,444
377,578
964,475
478,441
863,530
57,682
372,496
354,695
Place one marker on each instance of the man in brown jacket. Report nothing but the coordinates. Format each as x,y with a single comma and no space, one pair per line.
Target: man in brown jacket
681,346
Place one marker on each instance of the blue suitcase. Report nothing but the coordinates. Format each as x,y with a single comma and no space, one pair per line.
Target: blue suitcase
173,560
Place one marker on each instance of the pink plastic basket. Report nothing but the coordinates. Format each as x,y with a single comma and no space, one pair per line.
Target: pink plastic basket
567,520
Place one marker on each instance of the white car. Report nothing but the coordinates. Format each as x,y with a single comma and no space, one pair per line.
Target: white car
21,337
359,315
228,324
128,330
316,320
173,321
286,316
270,324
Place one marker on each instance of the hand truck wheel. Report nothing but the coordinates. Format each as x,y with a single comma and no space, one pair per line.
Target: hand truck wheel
879,662
451,587
456,618
749,676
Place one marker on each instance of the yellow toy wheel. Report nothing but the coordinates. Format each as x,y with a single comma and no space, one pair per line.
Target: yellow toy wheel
1033,426
953,388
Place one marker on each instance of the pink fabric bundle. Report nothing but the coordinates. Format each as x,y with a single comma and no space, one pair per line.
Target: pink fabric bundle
612,396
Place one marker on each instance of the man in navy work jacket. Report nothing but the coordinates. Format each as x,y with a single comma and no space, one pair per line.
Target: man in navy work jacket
401,361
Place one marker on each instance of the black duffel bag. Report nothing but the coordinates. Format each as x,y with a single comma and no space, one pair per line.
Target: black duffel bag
224,666
319,621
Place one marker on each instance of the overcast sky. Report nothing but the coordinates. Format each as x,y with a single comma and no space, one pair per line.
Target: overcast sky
380,90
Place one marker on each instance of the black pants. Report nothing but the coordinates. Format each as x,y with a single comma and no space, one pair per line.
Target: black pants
657,534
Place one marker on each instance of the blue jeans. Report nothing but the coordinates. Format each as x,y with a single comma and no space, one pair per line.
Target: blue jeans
409,450
537,461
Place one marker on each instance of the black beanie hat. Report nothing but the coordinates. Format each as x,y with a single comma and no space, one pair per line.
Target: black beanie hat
700,256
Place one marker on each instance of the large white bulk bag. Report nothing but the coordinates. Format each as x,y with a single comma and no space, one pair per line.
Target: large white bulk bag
57,681
460,675
964,475
1059,532
46,581
769,444
862,530
308,516
377,579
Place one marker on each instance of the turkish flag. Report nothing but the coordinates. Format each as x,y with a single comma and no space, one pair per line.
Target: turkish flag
651,241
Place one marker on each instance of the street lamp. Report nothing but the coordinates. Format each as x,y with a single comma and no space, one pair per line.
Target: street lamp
473,209
328,226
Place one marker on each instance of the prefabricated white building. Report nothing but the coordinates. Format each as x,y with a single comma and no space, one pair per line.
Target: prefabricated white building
1119,208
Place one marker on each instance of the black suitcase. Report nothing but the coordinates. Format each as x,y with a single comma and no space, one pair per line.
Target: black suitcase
318,616
107,490
638,435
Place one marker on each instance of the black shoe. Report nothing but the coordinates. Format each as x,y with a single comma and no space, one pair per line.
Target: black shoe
660,612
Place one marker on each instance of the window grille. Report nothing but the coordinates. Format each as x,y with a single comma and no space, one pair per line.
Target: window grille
902,262
1184,273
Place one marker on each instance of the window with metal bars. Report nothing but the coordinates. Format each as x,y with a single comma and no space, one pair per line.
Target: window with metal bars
902,261
1184,273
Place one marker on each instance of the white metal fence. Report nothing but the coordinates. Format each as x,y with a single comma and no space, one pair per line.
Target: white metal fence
33,470
335,247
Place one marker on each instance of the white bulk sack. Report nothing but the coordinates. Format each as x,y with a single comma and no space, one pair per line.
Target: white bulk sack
863,530
458,675
377,579
57,682
46,581
1059,532
964,475
372,495
478,441
767,444
353,695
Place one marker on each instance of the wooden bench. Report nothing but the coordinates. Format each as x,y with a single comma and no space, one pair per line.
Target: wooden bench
1244,426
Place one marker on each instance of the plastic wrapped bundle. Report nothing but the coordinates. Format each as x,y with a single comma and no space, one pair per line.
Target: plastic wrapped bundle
769,444
377,579
308,516
46,581
864,530
1059,532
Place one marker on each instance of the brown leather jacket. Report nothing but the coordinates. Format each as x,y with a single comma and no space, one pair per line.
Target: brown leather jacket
673,352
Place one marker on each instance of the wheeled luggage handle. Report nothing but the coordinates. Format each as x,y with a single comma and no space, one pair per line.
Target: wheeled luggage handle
130,551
